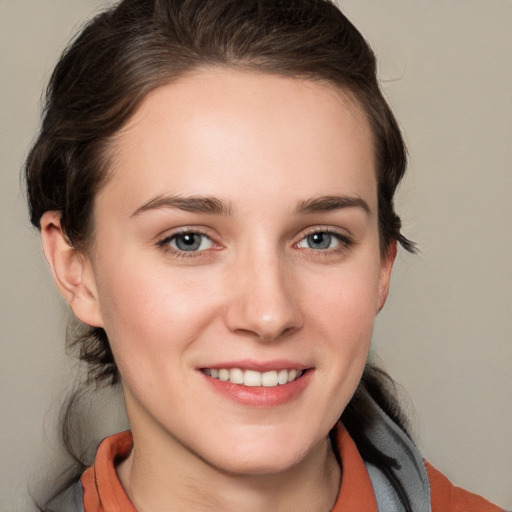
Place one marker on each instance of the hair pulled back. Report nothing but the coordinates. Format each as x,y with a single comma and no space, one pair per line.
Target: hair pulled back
138,45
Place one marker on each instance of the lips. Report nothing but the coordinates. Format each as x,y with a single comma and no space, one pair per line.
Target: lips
258,384
254,378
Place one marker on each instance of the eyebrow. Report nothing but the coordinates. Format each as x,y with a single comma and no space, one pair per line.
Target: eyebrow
329,203
195,204
214,206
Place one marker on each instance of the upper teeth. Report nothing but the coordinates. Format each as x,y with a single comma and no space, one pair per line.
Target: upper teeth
253,378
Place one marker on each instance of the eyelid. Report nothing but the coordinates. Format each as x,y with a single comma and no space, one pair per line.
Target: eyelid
184,230
337,232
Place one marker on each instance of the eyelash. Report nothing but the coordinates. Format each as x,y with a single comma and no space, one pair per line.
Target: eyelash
345,242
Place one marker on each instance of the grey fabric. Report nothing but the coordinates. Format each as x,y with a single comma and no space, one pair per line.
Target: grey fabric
386,496
73,499
411,473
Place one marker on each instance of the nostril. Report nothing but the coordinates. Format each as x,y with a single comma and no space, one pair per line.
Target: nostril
269,336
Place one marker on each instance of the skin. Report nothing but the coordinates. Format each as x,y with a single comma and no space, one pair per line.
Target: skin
259,288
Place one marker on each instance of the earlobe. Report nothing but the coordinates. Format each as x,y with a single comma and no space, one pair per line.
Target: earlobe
385,274
71,271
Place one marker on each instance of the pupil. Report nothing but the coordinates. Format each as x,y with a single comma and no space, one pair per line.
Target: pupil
189,239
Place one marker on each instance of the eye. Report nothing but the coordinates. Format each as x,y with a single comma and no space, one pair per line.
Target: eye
323,240
188,242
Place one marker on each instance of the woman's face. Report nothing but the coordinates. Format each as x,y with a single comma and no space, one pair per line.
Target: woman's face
237,239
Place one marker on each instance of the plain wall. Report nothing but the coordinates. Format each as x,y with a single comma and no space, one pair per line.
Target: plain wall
446,332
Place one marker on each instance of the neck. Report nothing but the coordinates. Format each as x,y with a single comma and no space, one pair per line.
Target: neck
163,478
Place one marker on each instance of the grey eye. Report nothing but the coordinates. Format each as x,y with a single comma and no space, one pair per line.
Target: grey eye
190,242
319,241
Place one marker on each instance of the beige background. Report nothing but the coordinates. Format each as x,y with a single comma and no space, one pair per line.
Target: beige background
446,333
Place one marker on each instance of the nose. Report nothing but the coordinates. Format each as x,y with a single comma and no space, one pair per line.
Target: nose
264,301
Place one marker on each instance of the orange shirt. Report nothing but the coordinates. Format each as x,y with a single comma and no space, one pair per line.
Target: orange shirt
103,491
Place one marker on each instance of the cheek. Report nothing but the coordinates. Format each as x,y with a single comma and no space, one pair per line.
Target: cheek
344,315
341,318
347,303
150,311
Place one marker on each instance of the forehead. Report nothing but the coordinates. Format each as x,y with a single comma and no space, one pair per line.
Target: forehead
219,131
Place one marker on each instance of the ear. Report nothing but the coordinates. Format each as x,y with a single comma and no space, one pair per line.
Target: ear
72,271
386,266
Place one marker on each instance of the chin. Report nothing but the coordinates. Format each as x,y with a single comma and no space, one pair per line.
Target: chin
259,466
263,456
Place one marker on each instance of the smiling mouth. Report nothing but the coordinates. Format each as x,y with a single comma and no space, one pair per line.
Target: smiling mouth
252,378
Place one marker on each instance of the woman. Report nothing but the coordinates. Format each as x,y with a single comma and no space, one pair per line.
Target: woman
214,186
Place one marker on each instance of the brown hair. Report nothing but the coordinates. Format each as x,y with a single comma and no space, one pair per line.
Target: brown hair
138,45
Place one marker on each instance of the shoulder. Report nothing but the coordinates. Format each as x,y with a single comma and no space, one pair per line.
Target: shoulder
446,497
